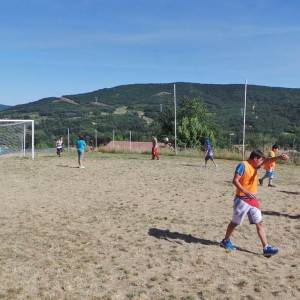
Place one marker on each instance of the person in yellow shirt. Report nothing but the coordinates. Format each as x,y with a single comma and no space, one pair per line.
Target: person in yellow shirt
245,202
270,167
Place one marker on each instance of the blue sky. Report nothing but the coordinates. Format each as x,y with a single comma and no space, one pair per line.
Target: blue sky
58,47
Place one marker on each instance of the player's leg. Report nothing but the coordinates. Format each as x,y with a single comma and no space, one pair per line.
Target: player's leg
206,159
157,154
79,158
262,234
268,250
153,153
212,159
261,180
230,228
226,242
271,176
240,210
255,217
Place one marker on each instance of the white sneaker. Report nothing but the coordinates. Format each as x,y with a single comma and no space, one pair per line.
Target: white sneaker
81,167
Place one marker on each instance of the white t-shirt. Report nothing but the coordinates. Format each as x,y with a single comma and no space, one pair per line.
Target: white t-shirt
59,144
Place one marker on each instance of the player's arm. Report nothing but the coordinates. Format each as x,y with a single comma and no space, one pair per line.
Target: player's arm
279,157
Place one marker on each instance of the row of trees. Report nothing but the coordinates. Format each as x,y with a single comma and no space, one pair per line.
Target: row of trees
195,123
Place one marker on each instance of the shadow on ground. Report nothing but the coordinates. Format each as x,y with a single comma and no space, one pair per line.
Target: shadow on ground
190,165
290,193
179,238
278,214
66,166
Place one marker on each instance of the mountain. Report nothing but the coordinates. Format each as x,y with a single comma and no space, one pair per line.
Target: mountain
270,110
2,106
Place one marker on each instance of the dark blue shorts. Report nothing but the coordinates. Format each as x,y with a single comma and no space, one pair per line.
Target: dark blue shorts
209,157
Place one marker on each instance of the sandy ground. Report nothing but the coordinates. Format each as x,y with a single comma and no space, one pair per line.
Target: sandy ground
127,227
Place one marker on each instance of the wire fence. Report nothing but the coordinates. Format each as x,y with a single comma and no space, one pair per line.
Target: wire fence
131,141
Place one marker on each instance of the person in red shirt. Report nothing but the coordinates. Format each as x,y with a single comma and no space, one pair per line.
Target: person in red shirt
155,148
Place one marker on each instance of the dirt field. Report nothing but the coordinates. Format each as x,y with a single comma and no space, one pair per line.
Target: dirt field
127,227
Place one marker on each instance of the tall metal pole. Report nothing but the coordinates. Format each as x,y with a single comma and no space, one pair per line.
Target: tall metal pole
244,126
230,135
130,140
160,107
24,140
32,139
113,138
175,121
68,139
96,138
96,99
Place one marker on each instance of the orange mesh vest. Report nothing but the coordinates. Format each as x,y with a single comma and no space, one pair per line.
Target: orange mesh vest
248,180
270,165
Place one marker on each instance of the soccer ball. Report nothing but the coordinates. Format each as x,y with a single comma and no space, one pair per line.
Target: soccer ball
166,139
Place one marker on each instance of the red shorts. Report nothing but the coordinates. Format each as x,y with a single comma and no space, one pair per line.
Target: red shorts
154,151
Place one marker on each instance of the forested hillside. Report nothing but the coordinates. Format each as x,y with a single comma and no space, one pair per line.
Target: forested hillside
2,107
271,111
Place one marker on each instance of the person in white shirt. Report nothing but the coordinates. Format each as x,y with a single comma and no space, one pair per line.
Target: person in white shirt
59,146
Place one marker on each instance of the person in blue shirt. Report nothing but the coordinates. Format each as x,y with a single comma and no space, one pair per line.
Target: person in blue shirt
80,145
209,155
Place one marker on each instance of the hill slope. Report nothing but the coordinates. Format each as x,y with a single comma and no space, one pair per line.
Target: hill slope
2,106
132,107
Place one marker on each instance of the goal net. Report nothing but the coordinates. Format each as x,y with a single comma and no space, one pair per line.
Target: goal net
17,137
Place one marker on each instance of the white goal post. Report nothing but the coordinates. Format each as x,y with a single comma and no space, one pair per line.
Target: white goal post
13,137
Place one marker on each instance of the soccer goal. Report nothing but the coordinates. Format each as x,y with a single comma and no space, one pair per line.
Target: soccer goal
17,137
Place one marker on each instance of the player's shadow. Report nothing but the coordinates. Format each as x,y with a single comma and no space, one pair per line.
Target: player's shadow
177,237
66,166
229,182
190,165
290,193
279,214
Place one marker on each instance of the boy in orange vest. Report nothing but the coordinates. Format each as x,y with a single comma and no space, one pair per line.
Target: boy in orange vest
269,167
245,201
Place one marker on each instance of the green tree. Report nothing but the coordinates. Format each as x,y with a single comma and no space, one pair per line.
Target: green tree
163,126
195,123
290,139
259,140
